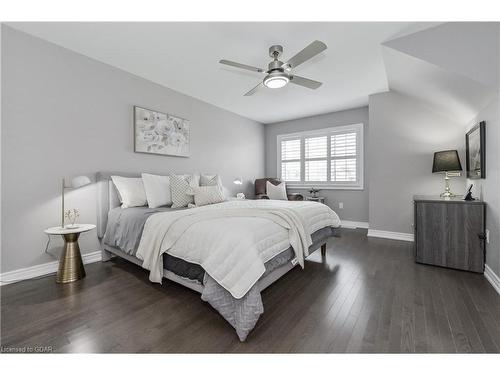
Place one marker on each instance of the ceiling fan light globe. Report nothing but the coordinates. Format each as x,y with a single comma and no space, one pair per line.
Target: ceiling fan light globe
276,81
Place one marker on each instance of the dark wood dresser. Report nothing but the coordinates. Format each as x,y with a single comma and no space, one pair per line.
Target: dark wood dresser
450,232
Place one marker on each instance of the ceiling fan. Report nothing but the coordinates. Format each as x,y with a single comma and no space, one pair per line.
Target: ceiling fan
278,73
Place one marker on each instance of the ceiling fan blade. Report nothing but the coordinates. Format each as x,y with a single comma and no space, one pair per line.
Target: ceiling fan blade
306,82
307,53
241,66
252,91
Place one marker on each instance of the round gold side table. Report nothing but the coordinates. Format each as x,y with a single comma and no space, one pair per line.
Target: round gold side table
71,264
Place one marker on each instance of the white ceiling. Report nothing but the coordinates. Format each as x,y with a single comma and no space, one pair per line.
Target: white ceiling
184,57
471,49
452,95
452,67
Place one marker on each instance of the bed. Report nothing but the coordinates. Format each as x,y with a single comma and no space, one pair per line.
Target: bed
207,259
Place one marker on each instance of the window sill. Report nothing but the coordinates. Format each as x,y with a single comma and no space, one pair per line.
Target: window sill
323,187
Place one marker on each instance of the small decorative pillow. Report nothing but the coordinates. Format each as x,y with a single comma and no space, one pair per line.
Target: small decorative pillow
157,190
276,192
131,191
179,187
210,180
214,180
204,195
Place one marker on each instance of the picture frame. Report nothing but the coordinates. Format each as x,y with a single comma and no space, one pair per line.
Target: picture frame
475,149
160,133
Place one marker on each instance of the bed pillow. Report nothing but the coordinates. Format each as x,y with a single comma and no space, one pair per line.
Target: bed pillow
214,180
179,188
131,191
204,195
210,180
276,192
157,190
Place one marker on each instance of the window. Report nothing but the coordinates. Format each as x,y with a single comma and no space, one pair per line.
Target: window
327,158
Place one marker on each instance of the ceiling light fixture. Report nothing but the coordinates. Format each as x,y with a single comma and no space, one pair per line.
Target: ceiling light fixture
276,80
278,73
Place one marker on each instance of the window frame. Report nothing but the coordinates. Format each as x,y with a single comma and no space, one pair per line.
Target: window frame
334,185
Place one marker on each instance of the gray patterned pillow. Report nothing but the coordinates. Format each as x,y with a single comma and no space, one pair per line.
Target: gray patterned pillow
210,180
179,188
204,195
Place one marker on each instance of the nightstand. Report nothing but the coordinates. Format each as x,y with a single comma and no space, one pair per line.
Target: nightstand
450,232
71,264
316,199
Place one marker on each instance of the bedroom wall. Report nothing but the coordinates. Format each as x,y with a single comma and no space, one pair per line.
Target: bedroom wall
488,188
403,136
355,201
64,114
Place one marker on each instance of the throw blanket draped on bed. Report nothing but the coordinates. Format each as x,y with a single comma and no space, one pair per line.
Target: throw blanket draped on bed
231,252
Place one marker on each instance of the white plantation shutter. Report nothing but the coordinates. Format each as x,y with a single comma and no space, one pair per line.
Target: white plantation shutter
343,170
316,159
290,160
290,150
327,158
343,153
315,147
343,144
290,171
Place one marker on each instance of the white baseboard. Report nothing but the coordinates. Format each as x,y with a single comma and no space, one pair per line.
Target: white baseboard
354,224
391,235
492,278
42,269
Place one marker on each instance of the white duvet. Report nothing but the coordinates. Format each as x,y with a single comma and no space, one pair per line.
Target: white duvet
232,240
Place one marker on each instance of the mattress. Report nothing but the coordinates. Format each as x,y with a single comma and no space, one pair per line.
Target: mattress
125,226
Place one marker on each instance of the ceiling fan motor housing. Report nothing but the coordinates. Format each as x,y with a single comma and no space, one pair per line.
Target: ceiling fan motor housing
275,65
275,51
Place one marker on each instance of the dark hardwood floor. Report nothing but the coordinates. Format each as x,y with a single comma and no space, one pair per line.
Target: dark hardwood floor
366,296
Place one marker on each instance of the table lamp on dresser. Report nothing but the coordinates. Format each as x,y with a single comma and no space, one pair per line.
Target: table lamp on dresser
449,163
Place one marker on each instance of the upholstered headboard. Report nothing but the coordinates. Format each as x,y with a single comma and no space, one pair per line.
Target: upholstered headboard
107,197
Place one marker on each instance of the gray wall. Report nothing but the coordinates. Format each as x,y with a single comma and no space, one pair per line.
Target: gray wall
488,188
64,114
404,134
355,201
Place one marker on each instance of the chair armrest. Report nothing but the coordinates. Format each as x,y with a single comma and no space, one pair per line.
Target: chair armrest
295,197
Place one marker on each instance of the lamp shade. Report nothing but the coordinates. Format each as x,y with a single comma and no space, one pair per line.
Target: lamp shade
446,161
79,182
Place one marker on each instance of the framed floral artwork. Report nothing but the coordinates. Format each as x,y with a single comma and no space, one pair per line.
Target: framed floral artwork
160,133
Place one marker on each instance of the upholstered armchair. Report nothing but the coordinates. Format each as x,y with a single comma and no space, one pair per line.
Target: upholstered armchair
260,189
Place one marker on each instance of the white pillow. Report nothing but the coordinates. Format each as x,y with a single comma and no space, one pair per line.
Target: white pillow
179,186
276,192
204,195
131,191
157,190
